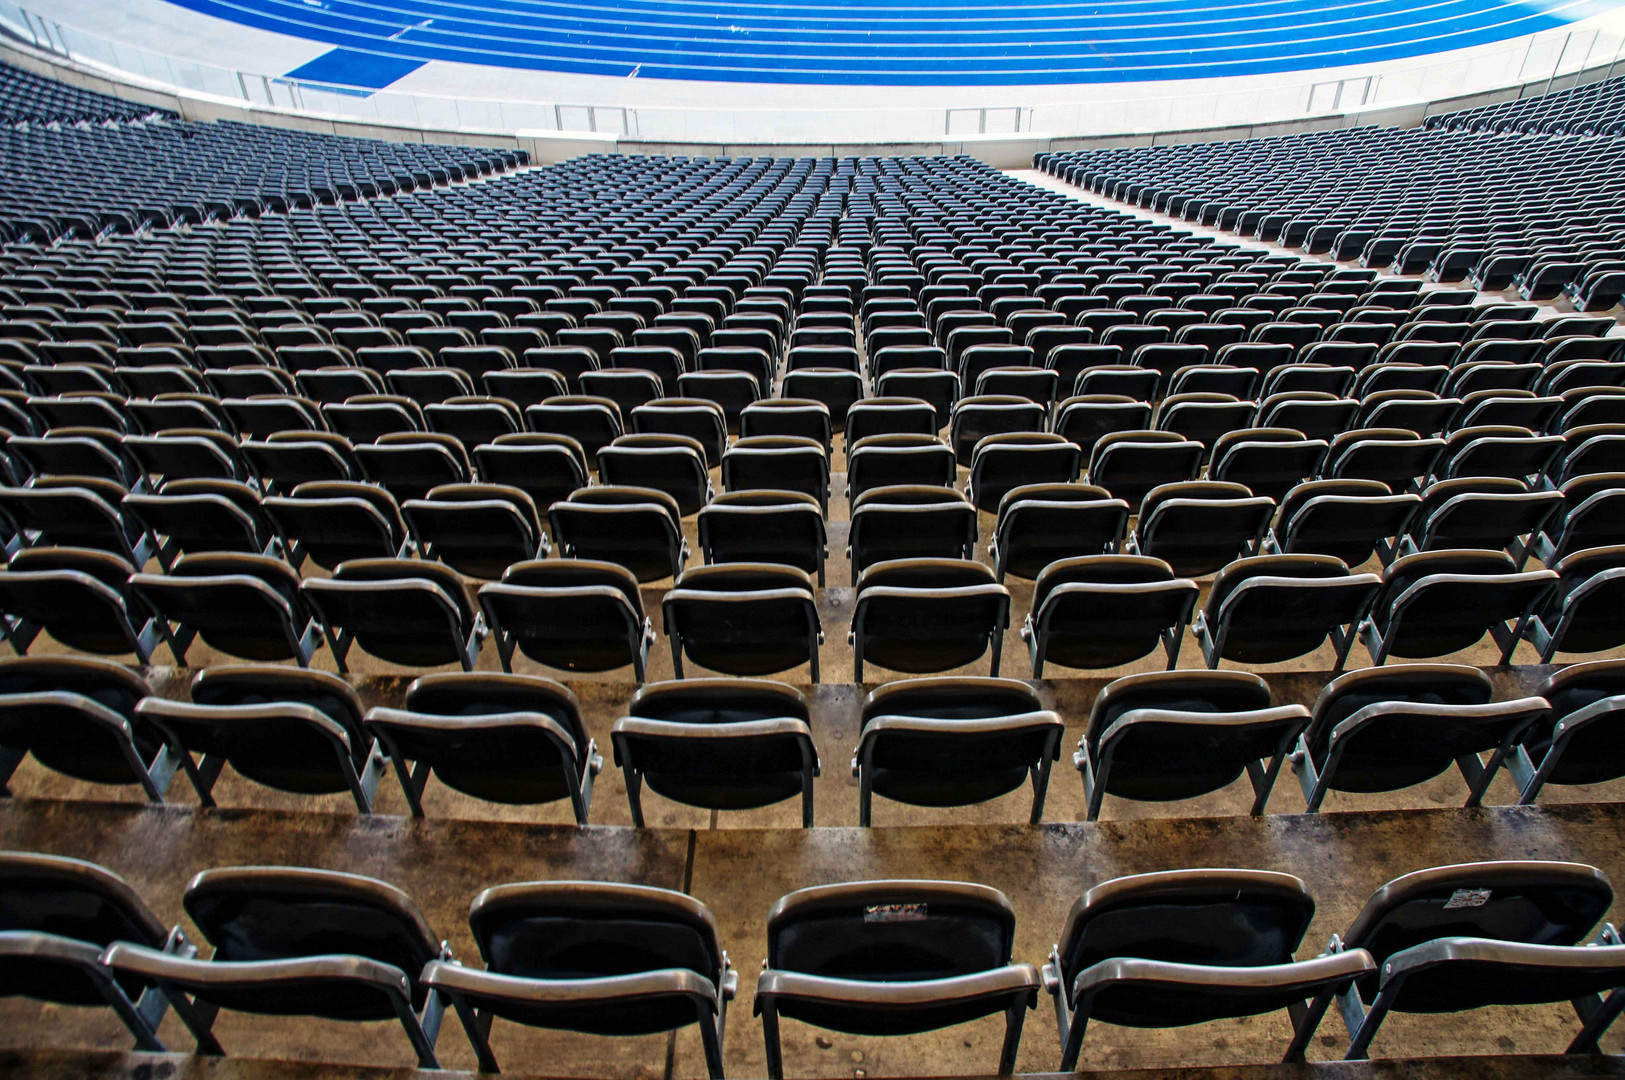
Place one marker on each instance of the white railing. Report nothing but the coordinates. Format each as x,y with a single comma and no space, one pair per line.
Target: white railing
1556,58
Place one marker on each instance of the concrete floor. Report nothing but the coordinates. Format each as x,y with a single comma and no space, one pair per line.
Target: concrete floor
740,862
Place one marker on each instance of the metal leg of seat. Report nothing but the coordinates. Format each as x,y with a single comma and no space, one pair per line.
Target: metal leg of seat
711,1038
1014,1014
634,792
1361,1042
770,1037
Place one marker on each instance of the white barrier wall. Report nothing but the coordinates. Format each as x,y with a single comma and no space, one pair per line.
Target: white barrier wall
1210,114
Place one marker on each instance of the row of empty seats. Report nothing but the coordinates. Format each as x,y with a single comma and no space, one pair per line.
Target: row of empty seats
1157,950
739,744
1536,213
1595,108
84,181
26,98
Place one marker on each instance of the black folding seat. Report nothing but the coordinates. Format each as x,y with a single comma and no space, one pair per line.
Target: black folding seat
1004,461
242,605
730,391
567,361
888,460
980,361
885,359
68,373
700,420
295,731
406,611
1438,602
187,453
429,385
409,464
1130,464
1417,411
802,417
477,361
77,717
659,367
1496,451
1318,414
1506,408
898,521
739,358
263,415
674,464
1211,335
599,958
1271,608
954,742
80,596
1391,375
1130,337
57,915
1197,526
515,739
297,942
926,615
371,416
331,386
1269,462
330,522
1347,519
1582,614
1386,729
151,380
1562,376
720,744
1183,947
592,421
638,528
890,416
1593,515
1493,513
743,619
976,417
474,419
571,614
777,462
1576,743
836,389
525,387
76,452
1520,942
1085,419
1040,523
1099,611
300,359
1396,457
1167,359
831,963
478,529
205,515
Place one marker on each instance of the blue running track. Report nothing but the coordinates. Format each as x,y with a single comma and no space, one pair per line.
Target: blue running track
904,42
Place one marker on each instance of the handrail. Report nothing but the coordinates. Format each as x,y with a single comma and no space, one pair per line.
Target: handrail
1547,56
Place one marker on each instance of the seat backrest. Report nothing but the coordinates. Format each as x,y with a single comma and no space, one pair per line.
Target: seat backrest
491,693
1534,902
254,913
1177,691
951,698
1212,917
74,899
890,931
580,929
